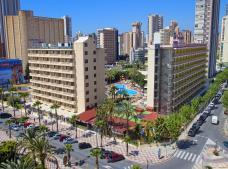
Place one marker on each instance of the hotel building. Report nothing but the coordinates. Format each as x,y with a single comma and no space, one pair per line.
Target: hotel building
25,30
175,75
224,42
73,77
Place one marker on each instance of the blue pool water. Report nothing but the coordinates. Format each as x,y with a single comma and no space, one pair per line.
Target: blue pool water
121,87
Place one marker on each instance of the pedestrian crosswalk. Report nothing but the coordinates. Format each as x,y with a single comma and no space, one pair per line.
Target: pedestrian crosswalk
184,155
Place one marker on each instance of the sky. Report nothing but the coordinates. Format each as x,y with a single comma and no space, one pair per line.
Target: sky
89,15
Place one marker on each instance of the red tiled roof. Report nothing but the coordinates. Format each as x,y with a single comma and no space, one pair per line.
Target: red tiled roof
151,116
138,109
87,115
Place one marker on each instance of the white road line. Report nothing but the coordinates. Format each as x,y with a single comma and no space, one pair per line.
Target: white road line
179,154
175,154
186,156
198,158
190,156
193,159
182,155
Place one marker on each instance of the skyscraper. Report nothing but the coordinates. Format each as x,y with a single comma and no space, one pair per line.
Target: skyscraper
137,35
206,29
7,7
226,9
187,36
224,42
155,23
107,38
67,29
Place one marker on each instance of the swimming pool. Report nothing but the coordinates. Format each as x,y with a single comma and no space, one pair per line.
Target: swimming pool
122,87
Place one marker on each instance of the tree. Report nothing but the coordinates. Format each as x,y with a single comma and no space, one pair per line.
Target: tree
18,106
55,107
113,91
68,148
96,153
9,123
225,100
127,111
73,120
127,140
12,91
37,105
2,98
101,125
24,96
8,151
136,167
24,162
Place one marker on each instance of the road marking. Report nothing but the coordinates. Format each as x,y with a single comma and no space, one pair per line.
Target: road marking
197,160
182,155
186,156
107,166
175,154
193,159
179,154
190,156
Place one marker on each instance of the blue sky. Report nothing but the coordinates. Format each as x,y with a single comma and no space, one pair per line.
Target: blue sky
88,15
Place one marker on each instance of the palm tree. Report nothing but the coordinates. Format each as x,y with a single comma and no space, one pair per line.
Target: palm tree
19,106
24,96
55,106
128,112
2,97
37,105
68,148
127,140
12,90
9,122
113,91
101,125
23,163
73,121
96,153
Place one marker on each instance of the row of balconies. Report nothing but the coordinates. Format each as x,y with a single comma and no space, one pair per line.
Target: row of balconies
52,84
48,96
53,91
51,63
188,66
189,61
190,71
52,77
34,55
51,70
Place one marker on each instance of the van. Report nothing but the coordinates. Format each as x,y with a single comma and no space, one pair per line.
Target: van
214,119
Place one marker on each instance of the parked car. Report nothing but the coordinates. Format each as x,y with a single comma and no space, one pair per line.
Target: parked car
31,126
84,145
51,133
69,141
15,127
114,157
211,105
56,136
60,151
80,162
203,116
26,124
214,120
196,125
62,137
88,133
200,121
192,132
5,115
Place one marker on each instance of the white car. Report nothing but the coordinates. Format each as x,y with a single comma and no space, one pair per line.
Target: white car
214,120
88,133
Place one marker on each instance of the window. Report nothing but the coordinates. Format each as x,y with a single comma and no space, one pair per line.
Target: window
95,82
94,68
87,92
156,61
86,52
95,104
86,77
87,100
85,44
95,90
94,59
95,75
94,52
86,68
95,97
86,61
87,85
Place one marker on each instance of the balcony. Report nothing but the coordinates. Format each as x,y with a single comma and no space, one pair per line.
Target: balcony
53,91
51,70
54,98
52,77
52,84
51,56
51,63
